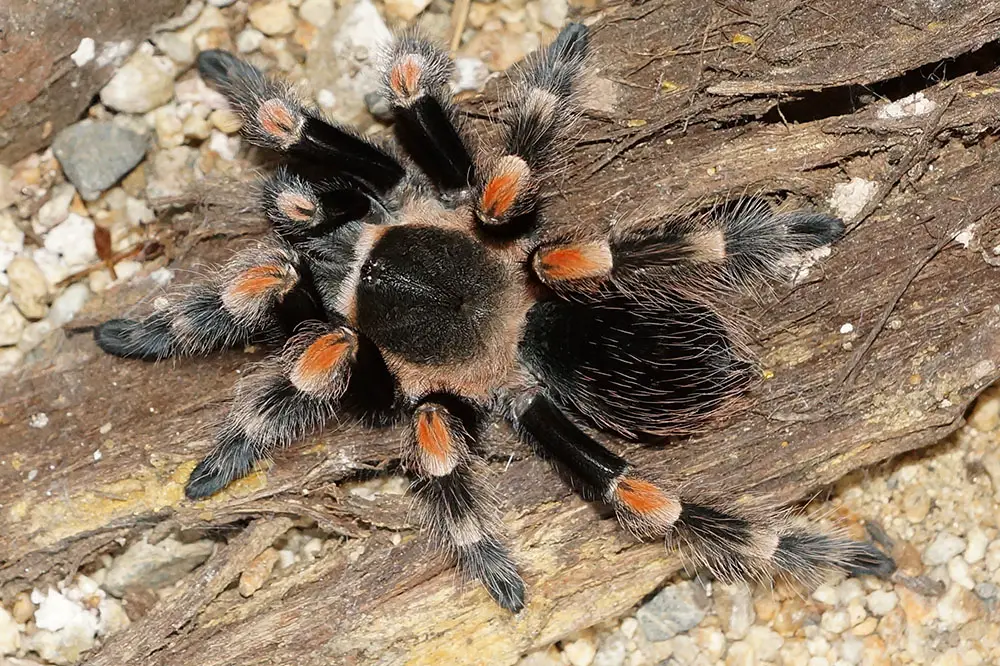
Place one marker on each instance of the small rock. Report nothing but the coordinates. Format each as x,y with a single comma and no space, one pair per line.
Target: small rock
155,565
674,609
580,652
113,617
169,127
985,415
987,591
958,606
944,547
907,558
710,641
10,359
10,633
553,13
734,605
28,287
470,75
143,83
272,18
916,608
875,653
249,40
406,10
793,614
95,155
766,607
55,209
958,572
547,657
826,595
850,198
12,323
916,504
11,239
866,628
67,304
793,653
629,627
73,242
741,654
975,551
856,612
34,334
835,622
69,629
171,172
916,104
317,12
880,602
612,652
23,608
257,572
765,643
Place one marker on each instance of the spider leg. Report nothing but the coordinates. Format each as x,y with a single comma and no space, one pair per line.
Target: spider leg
300,210
415,83
288,397
734,544
456,503
535,121
251,296
273,118
735,246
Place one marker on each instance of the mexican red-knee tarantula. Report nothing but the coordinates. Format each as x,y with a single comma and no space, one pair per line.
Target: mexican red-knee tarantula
432,288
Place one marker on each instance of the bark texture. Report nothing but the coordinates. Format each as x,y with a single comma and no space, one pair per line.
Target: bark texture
778,97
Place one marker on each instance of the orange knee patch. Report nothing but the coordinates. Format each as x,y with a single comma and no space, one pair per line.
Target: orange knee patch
500,194
644,498
404,78
279,121
436,443
319,368
577,261
296,206
258,281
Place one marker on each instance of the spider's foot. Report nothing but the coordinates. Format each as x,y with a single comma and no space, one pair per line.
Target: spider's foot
489,562
867,560
207,479
148,340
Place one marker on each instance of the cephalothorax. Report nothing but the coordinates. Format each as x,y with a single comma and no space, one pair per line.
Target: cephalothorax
428,285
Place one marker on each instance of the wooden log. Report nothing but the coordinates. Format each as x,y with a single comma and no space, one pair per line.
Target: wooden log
915,278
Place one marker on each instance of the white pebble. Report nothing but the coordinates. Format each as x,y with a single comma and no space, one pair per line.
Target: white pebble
825,594
68,303
272,18
835,622
850,198
765,642
249,40
73,241
944,547
847,328
98,455
84,52
580,652
629,627
143,83
39,420
958,571
916,104
976,550
317,12
851,649
10,633
881,602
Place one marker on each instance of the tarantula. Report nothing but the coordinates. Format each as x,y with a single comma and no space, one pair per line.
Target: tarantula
428,285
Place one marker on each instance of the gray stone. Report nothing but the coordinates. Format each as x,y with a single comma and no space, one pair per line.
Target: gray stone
673,610
155,566
96,155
